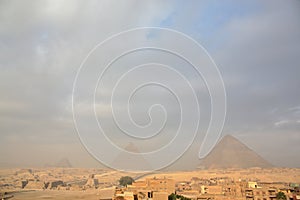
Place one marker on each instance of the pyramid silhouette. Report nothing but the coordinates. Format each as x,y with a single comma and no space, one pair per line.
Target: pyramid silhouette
231,153
62,163
125,162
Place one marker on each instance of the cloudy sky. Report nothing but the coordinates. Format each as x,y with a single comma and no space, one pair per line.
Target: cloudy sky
255,44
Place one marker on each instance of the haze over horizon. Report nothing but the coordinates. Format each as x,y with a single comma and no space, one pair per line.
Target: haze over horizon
255,44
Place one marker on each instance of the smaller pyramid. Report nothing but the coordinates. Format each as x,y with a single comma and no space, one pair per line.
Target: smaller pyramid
231,153
63,163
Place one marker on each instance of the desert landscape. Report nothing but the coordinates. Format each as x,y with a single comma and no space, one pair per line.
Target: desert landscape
230,171
149,100
70,183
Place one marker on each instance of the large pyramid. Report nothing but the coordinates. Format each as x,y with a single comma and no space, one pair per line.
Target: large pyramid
231,153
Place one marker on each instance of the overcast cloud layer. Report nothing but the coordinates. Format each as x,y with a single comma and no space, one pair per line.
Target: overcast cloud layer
256,45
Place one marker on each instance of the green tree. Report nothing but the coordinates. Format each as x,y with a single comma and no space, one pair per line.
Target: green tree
126,180
172,196
281,196
176,196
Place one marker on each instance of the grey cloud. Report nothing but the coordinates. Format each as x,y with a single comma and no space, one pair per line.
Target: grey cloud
42,44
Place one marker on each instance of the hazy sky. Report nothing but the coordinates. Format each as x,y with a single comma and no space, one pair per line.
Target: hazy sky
255,44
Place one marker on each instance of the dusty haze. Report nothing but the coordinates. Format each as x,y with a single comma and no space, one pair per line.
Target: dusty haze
42,43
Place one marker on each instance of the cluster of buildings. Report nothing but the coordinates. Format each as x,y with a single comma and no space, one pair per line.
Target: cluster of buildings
104,184
57,179
226,188
57,184
201,189
149,189
269,191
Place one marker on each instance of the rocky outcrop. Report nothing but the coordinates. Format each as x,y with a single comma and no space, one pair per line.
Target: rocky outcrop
34,185
91,182
55,184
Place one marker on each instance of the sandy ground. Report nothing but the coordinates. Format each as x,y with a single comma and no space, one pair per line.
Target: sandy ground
286,175
9,176
59,195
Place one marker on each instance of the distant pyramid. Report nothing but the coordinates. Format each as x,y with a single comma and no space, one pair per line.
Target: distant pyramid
63,163
231,153
131,163
132,148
